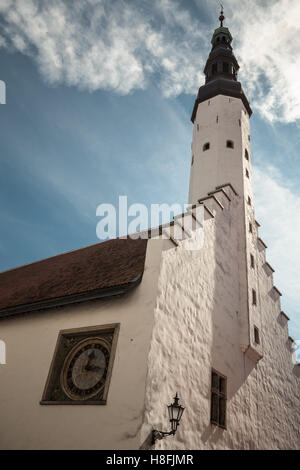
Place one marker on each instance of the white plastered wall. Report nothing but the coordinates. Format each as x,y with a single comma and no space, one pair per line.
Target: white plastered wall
30,341
196,327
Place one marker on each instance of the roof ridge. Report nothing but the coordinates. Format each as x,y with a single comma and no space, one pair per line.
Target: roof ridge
59,254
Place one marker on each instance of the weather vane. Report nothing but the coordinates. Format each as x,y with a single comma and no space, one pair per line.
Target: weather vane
222,17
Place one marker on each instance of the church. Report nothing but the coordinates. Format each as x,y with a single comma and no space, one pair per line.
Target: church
99,340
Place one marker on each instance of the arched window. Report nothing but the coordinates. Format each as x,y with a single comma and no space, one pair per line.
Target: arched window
214,68
229,144
206,146
246,154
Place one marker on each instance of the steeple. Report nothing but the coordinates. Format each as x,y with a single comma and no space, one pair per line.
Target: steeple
221,70
221,17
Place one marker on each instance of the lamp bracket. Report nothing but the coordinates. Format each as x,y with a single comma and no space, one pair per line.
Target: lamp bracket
159,435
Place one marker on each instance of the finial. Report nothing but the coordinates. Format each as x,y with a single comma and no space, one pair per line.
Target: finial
221,17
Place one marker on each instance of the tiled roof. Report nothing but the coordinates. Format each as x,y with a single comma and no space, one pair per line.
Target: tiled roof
104,269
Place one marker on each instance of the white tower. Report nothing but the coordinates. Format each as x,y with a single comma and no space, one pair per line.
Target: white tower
220,155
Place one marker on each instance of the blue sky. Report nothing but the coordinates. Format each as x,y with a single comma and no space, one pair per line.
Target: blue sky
99,98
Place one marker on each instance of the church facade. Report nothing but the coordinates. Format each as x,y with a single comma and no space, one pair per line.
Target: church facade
99,340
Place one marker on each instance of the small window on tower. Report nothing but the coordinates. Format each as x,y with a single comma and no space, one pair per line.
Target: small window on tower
250,228
246,154
249,200
247,173
192,159
229,144
198,127
256,335
254,300
214,68
225,67
206,146
218,399
252,261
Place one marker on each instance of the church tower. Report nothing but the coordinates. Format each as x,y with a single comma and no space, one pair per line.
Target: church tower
221,137
124,325
221,154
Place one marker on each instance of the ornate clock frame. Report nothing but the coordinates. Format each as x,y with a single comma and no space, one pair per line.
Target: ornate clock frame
70,345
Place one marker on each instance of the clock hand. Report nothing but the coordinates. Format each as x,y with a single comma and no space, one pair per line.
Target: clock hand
91,357
95,368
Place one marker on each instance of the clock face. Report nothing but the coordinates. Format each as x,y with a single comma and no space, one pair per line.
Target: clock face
85,368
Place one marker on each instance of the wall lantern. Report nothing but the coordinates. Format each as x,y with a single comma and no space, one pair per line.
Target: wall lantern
175,412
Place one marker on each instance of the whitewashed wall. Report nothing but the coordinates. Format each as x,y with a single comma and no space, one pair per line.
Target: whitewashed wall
30,341
196,327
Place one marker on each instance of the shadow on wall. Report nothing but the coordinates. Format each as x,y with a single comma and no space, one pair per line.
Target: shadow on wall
296,370
282,320
227,356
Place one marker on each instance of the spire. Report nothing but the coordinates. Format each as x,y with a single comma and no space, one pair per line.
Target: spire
221,69
221,17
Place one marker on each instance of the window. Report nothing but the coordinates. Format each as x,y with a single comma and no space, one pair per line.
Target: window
249,200
214,68
198,127
256,335
218,399
250,228
252,261
192,159
246,154
254,297
247,173
229,144
225,67
206,146
239,122
249,138
217,119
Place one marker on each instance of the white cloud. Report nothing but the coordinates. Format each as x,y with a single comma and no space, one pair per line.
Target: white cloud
268,46
122,46
94,45
278,211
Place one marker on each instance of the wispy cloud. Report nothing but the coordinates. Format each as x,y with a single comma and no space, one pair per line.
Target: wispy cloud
95,44
268,46
278,209
124,45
